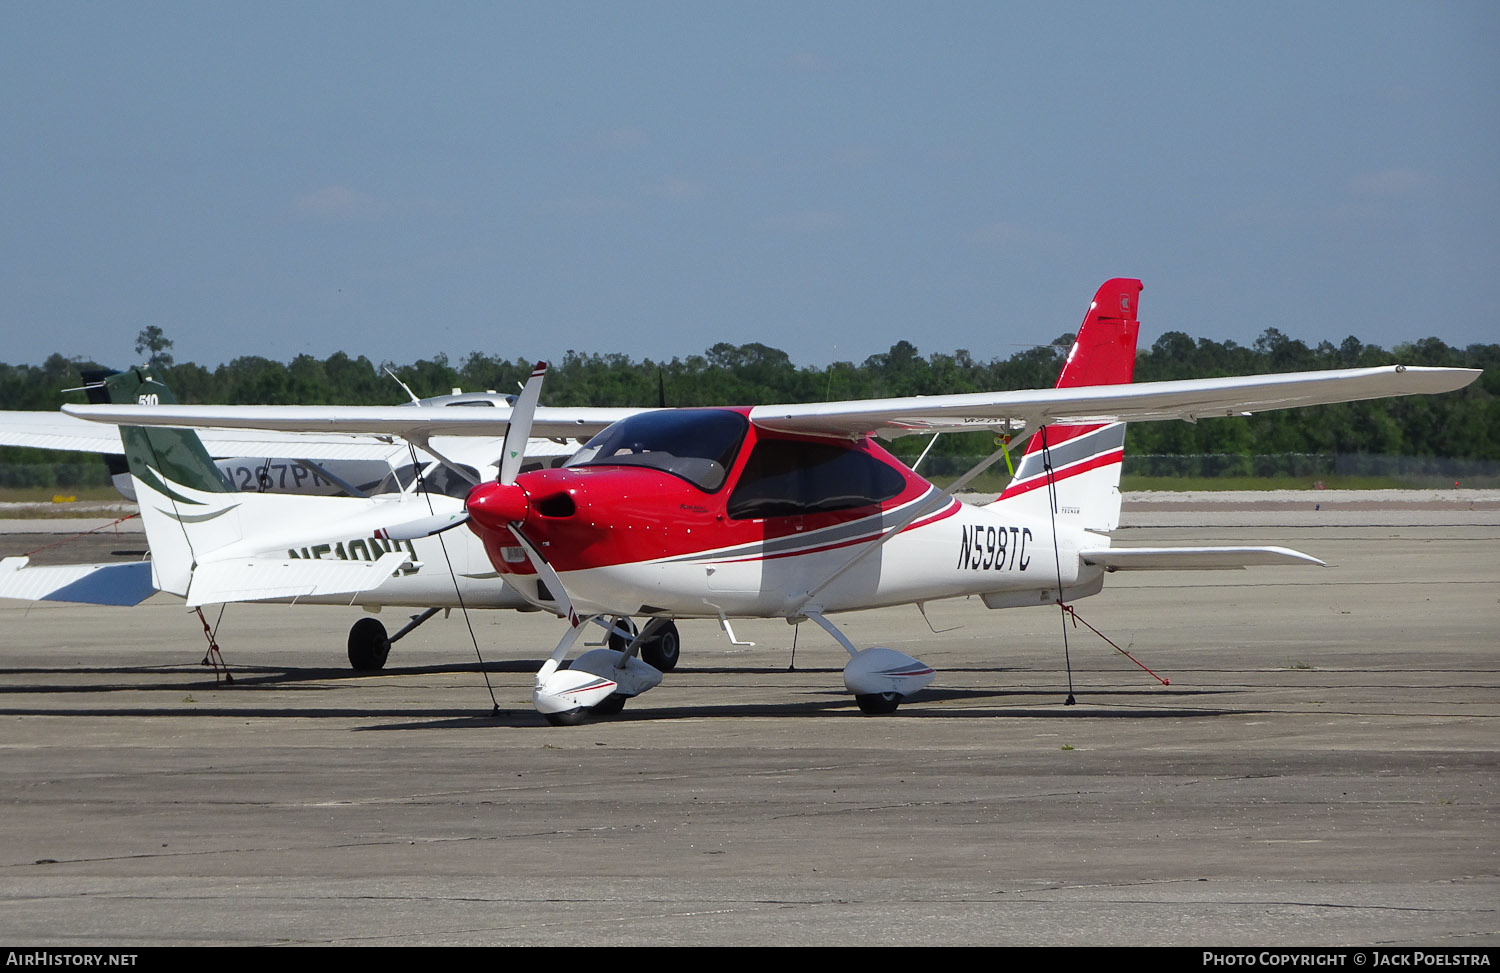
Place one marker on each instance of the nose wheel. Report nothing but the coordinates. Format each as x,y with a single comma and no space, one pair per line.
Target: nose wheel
597,682
878,704
571,717
612,705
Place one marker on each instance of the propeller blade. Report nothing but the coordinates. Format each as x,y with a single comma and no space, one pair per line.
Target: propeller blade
513,452
423,526
519,430
548,576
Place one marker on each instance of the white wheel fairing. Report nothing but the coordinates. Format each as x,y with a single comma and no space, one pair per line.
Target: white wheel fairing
879,670
571,689
631,679
593,677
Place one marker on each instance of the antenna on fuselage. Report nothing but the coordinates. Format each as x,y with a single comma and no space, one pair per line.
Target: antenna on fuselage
404,388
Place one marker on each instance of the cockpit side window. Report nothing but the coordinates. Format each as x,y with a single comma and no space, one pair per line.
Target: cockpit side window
436,479
786,478
698,445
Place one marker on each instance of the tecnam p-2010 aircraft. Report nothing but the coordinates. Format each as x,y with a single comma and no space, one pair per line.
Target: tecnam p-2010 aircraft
779,511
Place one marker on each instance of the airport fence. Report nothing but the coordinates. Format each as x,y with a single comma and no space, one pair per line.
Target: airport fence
64,475
1310,466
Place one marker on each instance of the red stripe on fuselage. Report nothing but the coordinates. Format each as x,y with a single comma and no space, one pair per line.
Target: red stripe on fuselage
1039,481
943,514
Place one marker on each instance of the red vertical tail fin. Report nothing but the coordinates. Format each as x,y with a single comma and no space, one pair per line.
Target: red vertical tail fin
1085,461
1104,351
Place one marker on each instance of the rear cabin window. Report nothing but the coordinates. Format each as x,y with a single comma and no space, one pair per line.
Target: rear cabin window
786,478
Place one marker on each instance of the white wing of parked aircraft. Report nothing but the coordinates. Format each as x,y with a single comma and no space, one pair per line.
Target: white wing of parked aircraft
403,422
57,430
322,549
277,461
1189,399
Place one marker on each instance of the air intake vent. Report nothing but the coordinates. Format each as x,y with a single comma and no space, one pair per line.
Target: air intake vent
557,505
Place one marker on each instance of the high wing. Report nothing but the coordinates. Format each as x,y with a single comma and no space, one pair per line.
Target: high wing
413,425
1189,399
55,430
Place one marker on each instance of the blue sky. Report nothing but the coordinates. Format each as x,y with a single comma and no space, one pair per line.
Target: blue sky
399,179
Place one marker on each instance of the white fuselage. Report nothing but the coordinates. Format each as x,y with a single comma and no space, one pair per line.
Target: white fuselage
968,550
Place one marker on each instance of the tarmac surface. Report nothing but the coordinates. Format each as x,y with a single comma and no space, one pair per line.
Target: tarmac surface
1322,769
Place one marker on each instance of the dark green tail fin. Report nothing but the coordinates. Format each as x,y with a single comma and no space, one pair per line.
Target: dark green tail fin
156,454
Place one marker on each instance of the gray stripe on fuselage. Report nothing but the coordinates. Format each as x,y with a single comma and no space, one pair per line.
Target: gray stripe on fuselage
1072,451
872,525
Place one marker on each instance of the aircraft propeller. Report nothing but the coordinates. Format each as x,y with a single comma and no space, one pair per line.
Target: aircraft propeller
507,501
601,680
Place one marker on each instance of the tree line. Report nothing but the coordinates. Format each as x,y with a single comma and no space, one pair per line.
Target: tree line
1463,425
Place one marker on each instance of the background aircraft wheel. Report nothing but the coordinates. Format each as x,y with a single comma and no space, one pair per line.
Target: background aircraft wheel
619,642
612,704
664,650
878,704
368,645
568,717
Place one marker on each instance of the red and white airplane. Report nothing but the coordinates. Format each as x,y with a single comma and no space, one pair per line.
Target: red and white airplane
784,511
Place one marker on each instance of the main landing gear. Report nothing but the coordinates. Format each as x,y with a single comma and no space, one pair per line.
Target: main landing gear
368,645
664,649
661,651
879,678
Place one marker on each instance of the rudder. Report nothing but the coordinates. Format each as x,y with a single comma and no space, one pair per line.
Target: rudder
1084,460
181,493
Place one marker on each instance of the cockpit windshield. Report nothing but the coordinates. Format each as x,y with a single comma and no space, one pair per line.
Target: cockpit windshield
698,445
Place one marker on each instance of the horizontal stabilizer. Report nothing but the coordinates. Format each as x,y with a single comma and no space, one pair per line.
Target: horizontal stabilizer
1192,558
267,579
124,584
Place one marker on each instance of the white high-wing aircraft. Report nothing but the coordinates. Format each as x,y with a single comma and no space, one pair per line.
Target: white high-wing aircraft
435,576
789,511
309,463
